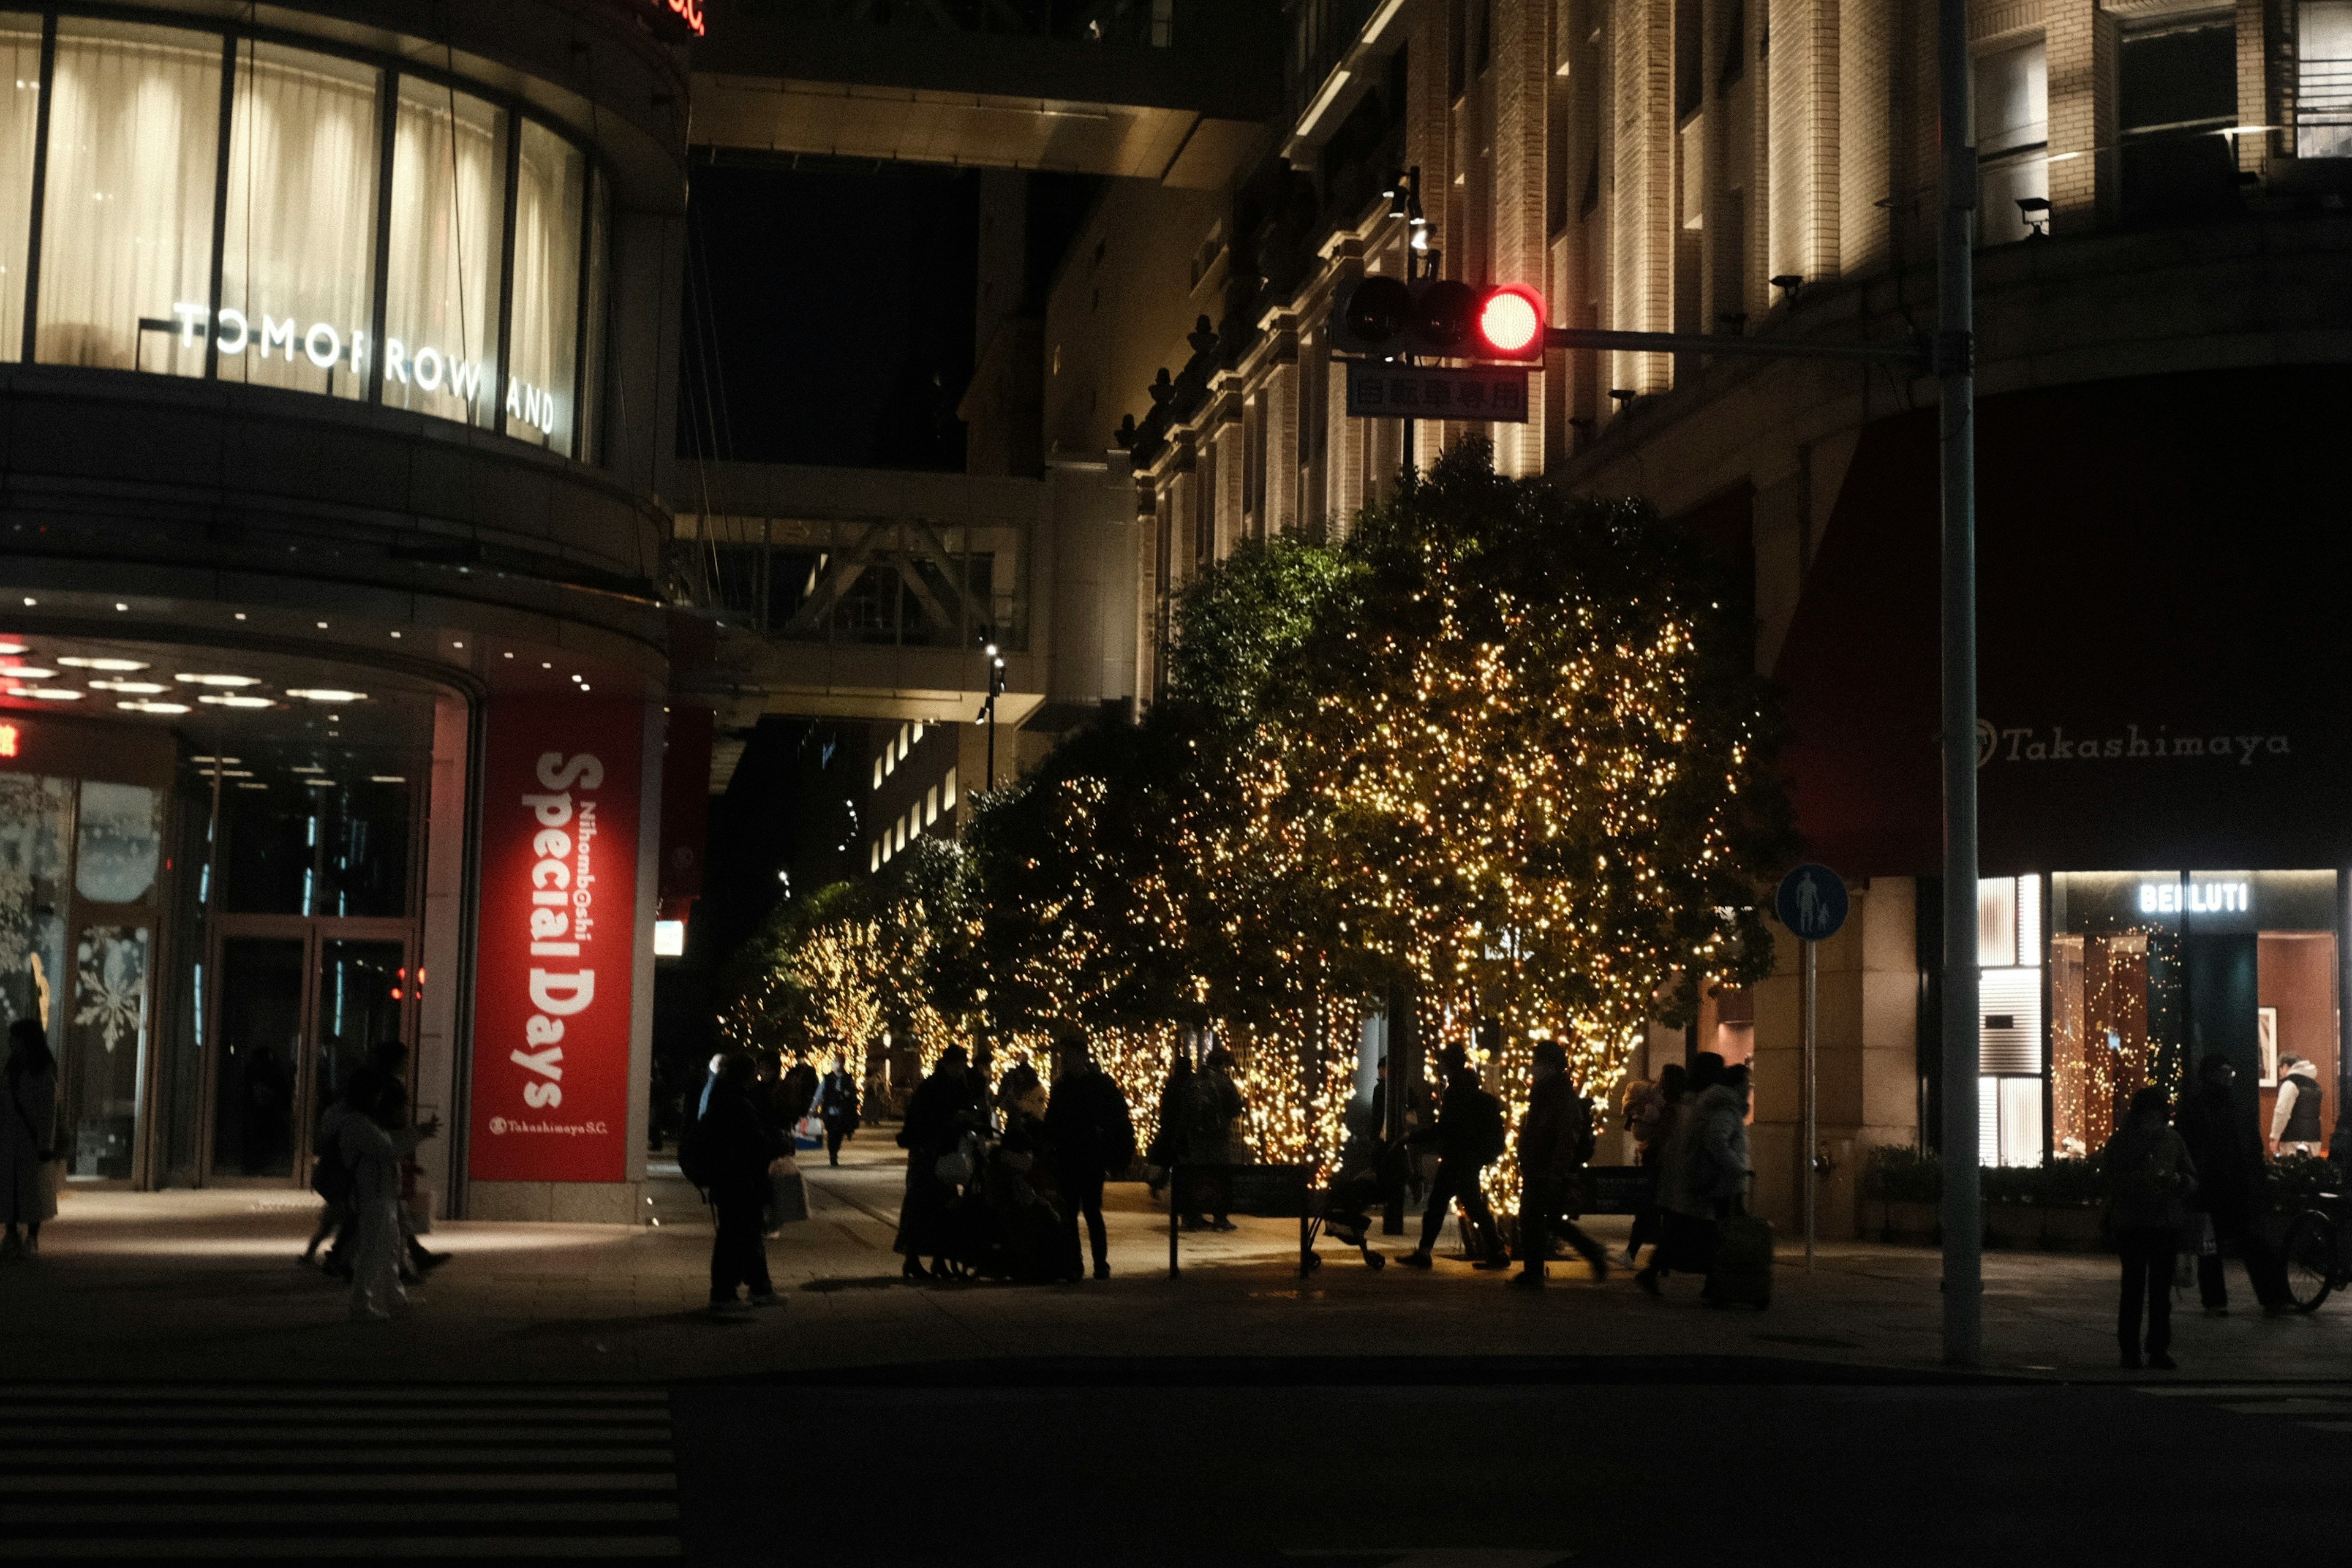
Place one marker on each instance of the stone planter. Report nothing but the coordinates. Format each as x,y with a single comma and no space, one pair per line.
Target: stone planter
2075,1228
2014,1228
1902,1224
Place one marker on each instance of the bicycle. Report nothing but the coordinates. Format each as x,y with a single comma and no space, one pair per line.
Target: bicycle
2318,1253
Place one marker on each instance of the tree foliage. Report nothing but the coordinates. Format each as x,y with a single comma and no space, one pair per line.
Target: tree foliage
1502,746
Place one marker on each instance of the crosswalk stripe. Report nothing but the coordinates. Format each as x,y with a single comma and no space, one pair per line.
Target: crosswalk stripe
341,1395
366,1546
339,1479
261,1472
440,1512
19,1438
234,1415
279,1454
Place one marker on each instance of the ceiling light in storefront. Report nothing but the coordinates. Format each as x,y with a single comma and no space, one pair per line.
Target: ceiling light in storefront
237,773
8,648
387,778
253,786
27,672
138,705
225,761
305,768
106,664
219,680
231,701
47,693
130,687
319,784
325,694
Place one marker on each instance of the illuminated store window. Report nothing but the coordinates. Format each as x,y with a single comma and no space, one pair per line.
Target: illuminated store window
20,77
551,211
298,255
2008,1038
127,223
441,312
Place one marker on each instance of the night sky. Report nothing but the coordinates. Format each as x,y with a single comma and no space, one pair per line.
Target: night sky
829,314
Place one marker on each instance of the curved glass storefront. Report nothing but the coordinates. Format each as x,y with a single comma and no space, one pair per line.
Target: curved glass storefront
237,206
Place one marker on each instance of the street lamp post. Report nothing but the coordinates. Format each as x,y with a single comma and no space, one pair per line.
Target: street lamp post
987,710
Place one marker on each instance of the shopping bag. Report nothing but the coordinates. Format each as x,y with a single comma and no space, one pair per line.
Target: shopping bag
787,1192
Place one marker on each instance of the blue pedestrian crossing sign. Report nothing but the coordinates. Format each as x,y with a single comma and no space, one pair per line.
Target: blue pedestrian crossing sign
1811,902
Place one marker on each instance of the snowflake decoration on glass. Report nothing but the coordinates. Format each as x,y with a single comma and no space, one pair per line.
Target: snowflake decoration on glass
112,978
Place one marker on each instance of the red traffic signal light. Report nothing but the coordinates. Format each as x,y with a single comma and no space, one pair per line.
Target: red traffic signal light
1511,323
1438,319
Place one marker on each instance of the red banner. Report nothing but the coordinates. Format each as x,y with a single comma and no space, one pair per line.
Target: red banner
557,943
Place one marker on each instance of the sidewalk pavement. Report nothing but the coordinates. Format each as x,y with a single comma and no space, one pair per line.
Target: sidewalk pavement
206,1285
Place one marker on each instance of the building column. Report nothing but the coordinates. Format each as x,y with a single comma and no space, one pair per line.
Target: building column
1279,486
1522,78
2070,46
1864,1045
1804,143
1642,225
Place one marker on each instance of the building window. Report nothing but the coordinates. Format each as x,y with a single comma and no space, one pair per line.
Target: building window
2323,80
874,858
301,222
2177,96
931,805
551,214
948,791
2012,130
877,773
20,62
449,189
134,136
133,275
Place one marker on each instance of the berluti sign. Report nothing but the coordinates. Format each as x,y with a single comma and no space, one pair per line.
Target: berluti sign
557,943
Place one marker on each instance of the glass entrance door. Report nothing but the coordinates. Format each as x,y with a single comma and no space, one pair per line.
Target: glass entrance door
300,1006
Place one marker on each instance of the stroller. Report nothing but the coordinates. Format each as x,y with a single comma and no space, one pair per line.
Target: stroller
1344,1209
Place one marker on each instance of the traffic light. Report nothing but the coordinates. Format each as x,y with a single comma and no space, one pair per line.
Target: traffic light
1438,319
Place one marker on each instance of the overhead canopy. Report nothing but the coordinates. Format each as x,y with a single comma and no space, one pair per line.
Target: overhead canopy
2162,623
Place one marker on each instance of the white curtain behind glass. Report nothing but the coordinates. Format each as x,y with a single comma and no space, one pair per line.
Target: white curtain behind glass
20,77
448,198
134,138
550,202
297,265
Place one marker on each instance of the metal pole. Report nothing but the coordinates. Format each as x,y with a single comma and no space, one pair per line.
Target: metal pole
1812,1114
1963,1215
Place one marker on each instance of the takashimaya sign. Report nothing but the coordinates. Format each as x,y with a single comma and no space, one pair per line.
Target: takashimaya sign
2026,744
325,346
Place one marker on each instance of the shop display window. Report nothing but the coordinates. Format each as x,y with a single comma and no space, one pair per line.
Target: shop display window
297,252
2008,1038
105,1051
2151,972
36,819
127,226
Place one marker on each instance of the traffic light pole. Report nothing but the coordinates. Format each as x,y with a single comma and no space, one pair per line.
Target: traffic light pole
1912,351
1955,368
